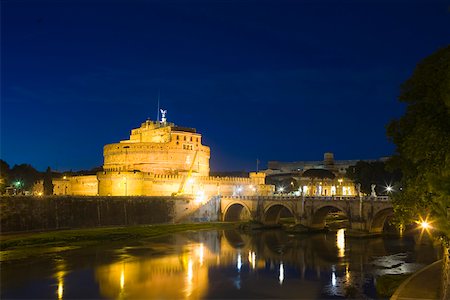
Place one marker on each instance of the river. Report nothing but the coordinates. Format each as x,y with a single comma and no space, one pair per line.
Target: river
219,264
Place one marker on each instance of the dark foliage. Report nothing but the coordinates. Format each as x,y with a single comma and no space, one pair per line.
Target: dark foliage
422,139
368,173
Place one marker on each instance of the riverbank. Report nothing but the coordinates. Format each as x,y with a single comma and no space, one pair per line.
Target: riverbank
424,284
25,245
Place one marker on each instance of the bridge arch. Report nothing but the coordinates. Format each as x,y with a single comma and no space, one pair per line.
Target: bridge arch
236,211
273,212
319,215
379,219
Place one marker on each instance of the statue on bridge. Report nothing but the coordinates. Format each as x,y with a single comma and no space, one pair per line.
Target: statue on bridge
373,194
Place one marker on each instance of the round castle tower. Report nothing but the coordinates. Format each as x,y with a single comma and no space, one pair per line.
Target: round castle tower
159,148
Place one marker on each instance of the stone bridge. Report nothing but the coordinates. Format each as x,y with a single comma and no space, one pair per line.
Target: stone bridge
367,214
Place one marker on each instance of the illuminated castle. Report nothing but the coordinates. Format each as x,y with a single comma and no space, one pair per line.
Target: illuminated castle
159,159
159,148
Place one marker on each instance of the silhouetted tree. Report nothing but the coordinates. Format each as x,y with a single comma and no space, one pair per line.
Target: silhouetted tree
422,139
4,175
24,176
368,173
48,185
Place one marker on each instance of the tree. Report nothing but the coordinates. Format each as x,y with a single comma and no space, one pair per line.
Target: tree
4,175
422,139
48,184
368,173
24,176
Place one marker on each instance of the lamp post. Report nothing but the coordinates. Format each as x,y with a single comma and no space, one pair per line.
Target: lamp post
125,183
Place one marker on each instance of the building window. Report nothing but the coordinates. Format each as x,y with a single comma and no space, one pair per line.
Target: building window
178,137
184,138
191,138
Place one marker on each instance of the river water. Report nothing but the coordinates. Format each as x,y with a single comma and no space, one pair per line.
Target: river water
219,264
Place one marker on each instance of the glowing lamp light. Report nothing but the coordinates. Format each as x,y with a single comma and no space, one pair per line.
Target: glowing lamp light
200,198
389,189
281,189
425,225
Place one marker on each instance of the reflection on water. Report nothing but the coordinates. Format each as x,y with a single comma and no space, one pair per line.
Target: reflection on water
281,277
60,272
340,242
223,264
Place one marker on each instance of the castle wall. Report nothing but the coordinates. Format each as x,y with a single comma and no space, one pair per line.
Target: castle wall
149,184
76,185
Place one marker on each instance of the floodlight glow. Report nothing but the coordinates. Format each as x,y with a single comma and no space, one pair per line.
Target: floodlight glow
389,189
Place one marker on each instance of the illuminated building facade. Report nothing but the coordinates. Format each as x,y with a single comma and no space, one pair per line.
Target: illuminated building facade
313,178
160,159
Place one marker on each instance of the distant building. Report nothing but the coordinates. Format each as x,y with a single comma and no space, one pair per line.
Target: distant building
338,167
159,159
314,178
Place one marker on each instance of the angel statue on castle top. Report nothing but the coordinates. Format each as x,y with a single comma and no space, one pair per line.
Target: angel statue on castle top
163,115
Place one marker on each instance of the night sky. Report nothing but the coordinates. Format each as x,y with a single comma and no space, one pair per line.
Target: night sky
277,80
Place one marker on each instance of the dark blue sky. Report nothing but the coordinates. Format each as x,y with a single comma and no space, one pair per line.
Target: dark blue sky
278,80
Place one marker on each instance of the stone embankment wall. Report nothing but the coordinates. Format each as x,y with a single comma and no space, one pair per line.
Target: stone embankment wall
29,213
445,289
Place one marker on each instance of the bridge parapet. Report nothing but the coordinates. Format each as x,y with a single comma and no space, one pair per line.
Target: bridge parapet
318,198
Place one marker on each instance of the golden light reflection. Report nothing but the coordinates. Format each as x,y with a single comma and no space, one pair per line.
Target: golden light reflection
174,276
252,259
347,273
189,276
60,273
122,278
200,253
60,289
340,242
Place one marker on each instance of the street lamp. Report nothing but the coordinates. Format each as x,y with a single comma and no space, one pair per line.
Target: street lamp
389,189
